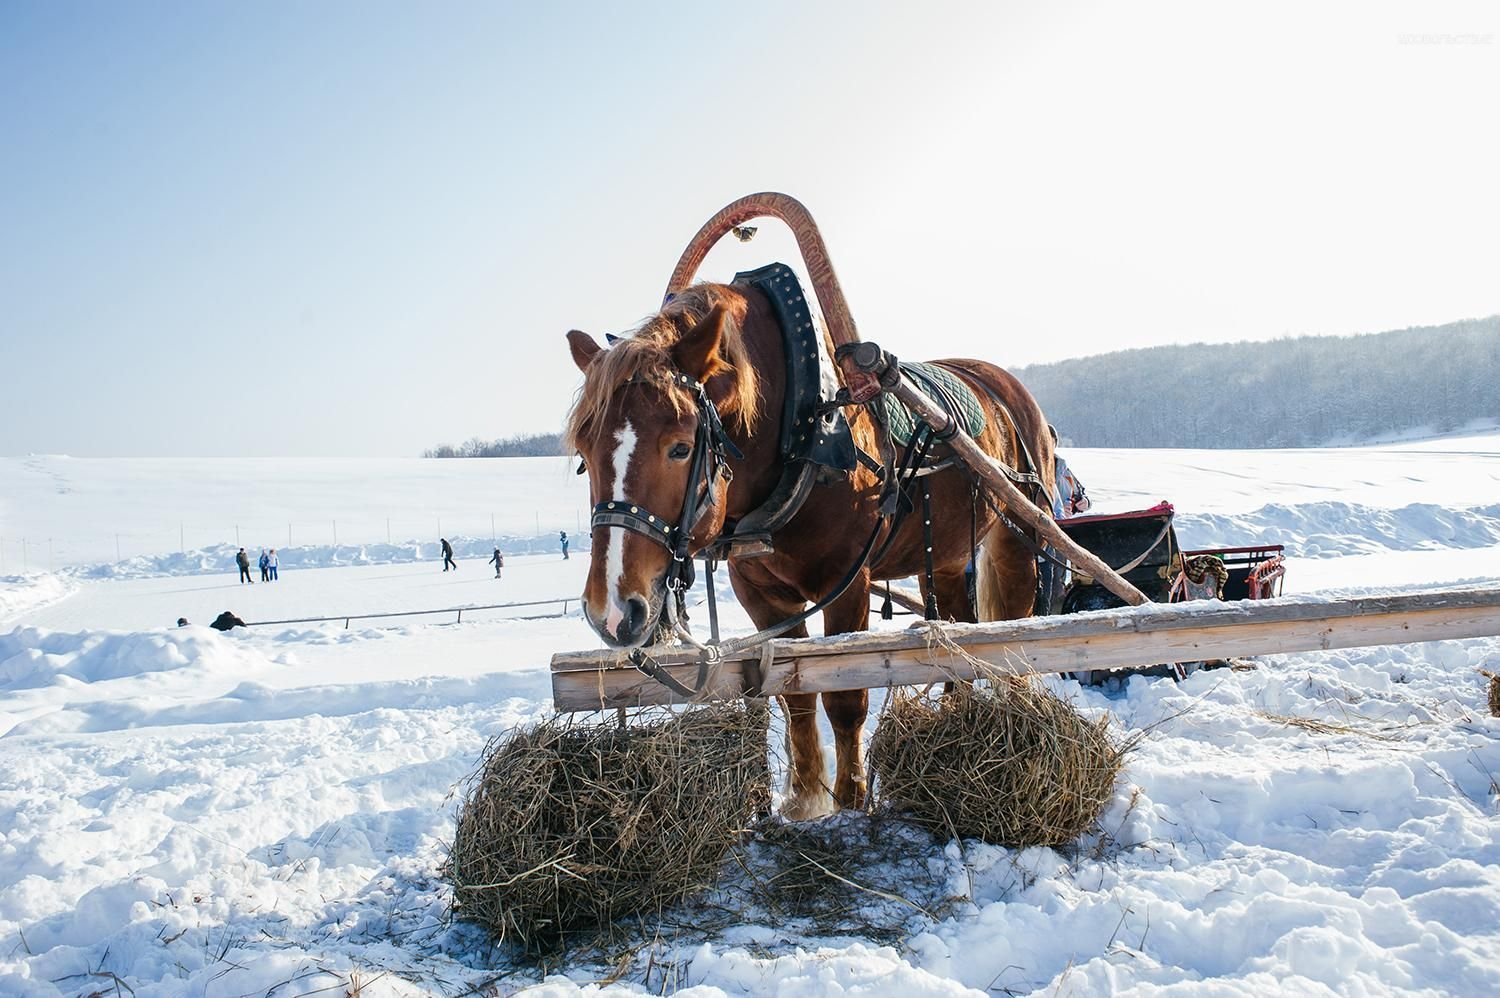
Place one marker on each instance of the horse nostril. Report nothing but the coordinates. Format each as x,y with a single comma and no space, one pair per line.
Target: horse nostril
634,620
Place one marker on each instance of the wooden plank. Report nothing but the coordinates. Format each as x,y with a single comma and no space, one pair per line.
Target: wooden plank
1100,640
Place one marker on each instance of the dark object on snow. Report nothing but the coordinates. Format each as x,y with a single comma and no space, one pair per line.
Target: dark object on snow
226,621
182,621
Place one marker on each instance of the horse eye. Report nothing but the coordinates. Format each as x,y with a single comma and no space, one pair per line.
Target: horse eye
582,467
680,452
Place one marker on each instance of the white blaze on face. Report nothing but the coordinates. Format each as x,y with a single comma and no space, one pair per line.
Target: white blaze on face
614,538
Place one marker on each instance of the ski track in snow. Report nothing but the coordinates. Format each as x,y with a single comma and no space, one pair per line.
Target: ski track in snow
266,811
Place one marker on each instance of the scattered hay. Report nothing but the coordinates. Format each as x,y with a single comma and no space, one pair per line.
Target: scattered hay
1494,690
1008,763
1323,727
873,876
571,825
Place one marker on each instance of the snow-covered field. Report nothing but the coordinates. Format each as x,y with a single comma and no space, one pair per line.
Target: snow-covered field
184,812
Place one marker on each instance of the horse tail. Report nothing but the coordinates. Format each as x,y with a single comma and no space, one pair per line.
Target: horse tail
1005,566
1005,576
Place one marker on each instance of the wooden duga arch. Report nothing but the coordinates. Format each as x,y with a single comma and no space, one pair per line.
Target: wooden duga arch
862,385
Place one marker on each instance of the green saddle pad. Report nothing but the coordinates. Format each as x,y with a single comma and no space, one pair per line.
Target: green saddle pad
943,387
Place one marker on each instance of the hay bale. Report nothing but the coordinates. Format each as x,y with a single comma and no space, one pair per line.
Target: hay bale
1008,763
1494,690
570,825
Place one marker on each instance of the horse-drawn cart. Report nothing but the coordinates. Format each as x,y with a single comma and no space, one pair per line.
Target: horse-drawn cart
1143,547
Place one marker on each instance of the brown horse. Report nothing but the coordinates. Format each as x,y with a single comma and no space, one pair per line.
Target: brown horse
636,425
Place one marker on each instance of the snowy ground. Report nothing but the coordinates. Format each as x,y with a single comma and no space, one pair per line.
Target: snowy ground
264,812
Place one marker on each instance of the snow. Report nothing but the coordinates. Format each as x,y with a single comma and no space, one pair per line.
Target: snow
265,811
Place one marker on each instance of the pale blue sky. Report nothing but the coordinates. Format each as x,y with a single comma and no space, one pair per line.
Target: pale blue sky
328,228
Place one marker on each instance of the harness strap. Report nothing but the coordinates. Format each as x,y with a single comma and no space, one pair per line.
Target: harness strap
617,513
929,601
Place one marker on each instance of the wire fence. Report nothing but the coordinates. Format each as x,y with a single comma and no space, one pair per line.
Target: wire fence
458,610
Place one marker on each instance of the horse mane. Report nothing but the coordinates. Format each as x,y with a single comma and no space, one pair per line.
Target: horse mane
646,354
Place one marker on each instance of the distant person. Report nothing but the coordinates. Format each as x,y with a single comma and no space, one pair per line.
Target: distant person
498,560
243,560
1069,499
562,538
272,565
448,561
265,566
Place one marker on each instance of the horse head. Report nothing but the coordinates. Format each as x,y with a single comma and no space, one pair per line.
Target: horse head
647,424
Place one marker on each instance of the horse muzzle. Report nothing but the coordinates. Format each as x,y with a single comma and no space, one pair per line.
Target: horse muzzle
629,622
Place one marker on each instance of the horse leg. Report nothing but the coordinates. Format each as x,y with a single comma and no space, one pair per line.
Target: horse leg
807,787
807,797
847,709
951,588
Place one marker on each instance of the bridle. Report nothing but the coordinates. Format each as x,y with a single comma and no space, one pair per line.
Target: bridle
712,449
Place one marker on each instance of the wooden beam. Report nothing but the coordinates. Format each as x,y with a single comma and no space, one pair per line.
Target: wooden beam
1104,639
903,596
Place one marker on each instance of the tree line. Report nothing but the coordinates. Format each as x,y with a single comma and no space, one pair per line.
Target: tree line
1304,391
519,445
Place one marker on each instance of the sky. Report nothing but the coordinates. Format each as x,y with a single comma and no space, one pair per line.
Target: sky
363,229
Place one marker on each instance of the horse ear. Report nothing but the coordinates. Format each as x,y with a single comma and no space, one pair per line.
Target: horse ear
584,348
697,353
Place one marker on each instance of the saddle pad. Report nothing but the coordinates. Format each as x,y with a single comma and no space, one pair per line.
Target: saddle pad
943,387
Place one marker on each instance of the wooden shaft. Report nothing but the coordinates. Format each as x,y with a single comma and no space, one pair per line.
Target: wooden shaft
835,307
1015,500
1103,639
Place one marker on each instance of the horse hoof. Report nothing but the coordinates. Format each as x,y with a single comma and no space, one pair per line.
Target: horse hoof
808,808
